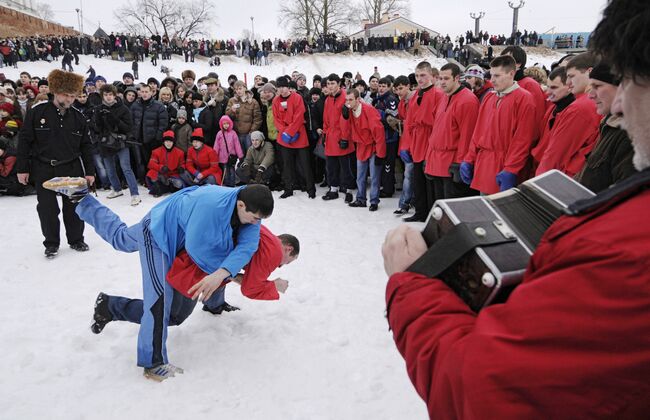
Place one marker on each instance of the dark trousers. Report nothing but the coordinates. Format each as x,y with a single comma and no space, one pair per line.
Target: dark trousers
423,196
388,171
447,188
126,309
48,208
339,171
291,158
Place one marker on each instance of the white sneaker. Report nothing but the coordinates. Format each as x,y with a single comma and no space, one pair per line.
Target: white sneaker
135,200
114,194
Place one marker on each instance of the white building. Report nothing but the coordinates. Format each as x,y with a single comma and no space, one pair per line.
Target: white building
391,26
25,6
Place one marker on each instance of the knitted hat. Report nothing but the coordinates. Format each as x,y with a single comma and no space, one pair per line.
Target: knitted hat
7,107
315,91
317,77
603,73
257,135
102,78
475,71
268,88
168,135
182,113
197,134
153,80
301,76
42,82
127,74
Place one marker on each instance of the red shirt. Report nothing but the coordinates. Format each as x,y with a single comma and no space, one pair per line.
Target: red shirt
420,121
502,138
367,132
173,160
289,117
335,126
539,99
205,161
452,132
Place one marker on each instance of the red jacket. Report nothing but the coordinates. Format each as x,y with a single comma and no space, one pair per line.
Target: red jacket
402,113
205,161
572,341
419,122
290,118
173,160
367,132
452,132
502,138
574,133
335,126
7,163
539,98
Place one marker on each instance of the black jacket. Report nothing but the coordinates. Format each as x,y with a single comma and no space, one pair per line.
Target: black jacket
111,119
205,122
150,121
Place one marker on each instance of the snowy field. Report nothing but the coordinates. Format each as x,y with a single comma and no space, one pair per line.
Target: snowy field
322,352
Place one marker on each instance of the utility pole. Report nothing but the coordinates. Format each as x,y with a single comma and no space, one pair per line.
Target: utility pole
515,15
477,21
252,30
81,14
78,20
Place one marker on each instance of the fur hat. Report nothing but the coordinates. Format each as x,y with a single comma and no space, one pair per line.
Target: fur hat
182,113
197,134
188,73
65,82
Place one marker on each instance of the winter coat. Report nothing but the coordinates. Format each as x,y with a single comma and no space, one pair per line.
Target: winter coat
572,137
206,122
172,110
288,114
227,137
367,132
268,126
502,138
149,121
217,105
173,159
335,127
387,105
115,119
420,120
203,161
183,136
314,115
610,161
263,156
245,113
578,321
452,132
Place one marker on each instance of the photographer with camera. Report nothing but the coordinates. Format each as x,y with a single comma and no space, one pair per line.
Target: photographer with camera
573,339
112,124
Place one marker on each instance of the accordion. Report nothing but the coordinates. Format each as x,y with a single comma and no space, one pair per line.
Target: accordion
480,246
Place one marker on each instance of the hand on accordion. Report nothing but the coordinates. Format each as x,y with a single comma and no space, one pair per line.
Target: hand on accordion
401,248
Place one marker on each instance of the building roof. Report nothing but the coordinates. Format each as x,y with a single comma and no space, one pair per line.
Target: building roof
372,29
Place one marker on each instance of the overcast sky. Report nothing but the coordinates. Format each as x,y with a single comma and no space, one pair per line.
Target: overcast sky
448,16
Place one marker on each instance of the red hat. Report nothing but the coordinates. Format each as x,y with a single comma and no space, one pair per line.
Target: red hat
8,107
168,135
197,134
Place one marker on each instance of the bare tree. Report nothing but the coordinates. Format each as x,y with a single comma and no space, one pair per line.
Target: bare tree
330,16
374,9
182,18
45,11
299,14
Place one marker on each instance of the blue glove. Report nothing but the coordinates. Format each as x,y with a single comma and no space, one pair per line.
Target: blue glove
466,172
506,180
406,156
289,139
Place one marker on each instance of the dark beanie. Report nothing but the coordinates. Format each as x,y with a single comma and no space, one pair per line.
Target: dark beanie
603,72
42,82
293,85
196,96
153,80
282,82
315,91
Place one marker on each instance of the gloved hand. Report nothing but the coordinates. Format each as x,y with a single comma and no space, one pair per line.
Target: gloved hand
454,171
466,172
379,161
344,144
406,156
164,170
258,176
290,139
506,180
345,112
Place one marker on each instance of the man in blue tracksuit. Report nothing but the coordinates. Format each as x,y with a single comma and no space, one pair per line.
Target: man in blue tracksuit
217,226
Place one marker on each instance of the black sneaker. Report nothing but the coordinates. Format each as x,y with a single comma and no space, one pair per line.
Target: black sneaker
415,218
80,246
331,195
357,204
224,307
286,194
348,197
373,207
401,211
323,184
383,194
51,252
102,315
311,194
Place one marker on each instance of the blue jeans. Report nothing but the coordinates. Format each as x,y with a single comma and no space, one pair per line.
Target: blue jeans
245,141
407,187
125,163
101,170
375,179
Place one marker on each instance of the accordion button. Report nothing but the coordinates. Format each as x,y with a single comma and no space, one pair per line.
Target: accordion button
437,213
488,280
480,232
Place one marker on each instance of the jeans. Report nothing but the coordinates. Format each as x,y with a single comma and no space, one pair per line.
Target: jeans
245,141
101,170
125,163
407,187
375,178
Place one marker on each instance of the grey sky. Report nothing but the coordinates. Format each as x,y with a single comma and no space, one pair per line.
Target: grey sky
446,16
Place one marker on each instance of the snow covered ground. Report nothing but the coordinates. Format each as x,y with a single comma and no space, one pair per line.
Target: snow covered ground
322,352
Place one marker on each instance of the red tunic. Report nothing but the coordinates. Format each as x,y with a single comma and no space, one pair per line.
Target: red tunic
402,113
452,132
204,161
335,126
419,122
572,341
502,138
173,160
289,117
539,99
367,132
574,134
